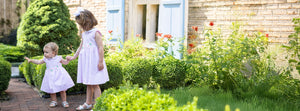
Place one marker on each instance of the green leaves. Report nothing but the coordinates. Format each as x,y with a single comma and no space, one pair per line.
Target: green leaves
47,21
4,74
133,98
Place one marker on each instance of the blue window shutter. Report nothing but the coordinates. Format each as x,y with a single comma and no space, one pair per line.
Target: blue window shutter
171,21
115,21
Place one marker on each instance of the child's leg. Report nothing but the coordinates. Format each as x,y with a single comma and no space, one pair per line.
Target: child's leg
63,96
97,91
53,102
53,97
89,94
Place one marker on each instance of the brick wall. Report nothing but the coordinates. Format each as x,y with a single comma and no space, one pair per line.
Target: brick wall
269,16
98,8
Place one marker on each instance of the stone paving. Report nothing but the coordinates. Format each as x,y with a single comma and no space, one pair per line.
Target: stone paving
23,97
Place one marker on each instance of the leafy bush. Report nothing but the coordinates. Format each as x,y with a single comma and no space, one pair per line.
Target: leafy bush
114,69
294,46
28,70
47,21
138,70
11,53
5,74
72,70
170,72
128,98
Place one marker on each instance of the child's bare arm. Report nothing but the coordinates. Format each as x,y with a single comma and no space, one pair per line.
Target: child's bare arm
69,58
34,61
64,62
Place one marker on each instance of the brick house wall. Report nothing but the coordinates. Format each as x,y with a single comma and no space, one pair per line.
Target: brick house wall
269,16
98,8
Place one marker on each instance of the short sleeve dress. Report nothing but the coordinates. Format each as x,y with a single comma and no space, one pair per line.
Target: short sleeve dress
56,78
88,72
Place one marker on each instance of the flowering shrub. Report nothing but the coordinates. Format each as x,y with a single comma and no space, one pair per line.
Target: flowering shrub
165,45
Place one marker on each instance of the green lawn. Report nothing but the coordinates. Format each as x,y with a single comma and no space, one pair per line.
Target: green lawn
216,100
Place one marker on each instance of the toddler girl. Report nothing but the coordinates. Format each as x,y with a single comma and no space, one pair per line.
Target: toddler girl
91,65
56,78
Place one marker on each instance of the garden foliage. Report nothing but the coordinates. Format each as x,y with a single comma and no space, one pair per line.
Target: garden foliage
47,21
240,64
5,74
294,46
129,97
11,53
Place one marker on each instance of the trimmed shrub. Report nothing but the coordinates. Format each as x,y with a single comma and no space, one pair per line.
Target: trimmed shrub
72,70
5,74
28,70
138,70
11,53
114,69
128,98
47,21
170,72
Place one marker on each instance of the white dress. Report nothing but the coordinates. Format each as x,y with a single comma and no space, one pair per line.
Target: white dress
88,72
56,77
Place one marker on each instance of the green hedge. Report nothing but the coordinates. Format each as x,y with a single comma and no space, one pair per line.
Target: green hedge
138,70
114,72
170,72
5,74
128,98
11,53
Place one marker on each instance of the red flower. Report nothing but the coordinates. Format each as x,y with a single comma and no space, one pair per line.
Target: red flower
168,36
110,31
267,35
138,35
211,23
195,28
191,45
158,34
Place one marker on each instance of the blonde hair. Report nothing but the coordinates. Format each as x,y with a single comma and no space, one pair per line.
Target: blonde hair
86,20
53,46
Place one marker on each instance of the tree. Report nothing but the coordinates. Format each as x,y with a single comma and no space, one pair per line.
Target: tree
47,21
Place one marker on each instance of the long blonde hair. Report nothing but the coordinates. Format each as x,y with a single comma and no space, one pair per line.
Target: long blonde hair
86,20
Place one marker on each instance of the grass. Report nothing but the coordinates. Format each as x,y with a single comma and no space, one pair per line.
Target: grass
216,100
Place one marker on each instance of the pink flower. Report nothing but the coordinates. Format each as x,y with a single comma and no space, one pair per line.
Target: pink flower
110,31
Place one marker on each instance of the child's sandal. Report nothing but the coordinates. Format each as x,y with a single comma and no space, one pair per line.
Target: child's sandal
53,104
65,104
85,106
